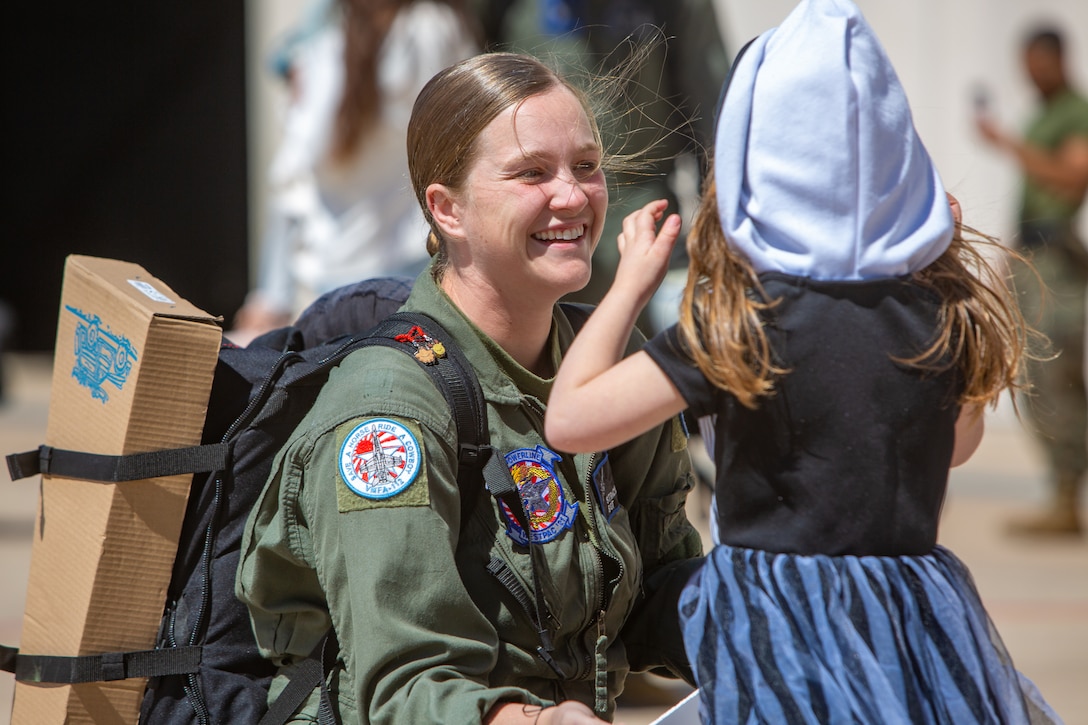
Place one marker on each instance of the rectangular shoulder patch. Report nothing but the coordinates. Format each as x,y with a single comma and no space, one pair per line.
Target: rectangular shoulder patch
679,434
380,464
604,485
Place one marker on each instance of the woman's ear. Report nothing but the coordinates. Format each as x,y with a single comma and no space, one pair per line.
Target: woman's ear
444,209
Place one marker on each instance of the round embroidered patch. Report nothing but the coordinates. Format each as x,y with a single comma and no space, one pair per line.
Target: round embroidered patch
379,458
548,510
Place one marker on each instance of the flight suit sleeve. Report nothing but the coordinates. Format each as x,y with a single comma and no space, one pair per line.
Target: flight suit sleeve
380,550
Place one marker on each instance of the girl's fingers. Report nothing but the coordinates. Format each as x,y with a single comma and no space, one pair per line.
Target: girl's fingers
641,224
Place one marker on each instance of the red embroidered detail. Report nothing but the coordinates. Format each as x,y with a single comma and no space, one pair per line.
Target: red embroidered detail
428,350
415,336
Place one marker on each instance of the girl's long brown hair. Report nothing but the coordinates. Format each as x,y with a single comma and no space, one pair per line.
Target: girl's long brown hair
980,330
981,327
720,312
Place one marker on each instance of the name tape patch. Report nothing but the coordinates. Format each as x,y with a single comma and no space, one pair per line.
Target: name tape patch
604,485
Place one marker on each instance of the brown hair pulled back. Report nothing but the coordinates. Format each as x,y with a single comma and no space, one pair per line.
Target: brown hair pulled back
455,107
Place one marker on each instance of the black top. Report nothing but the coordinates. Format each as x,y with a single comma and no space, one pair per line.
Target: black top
851,453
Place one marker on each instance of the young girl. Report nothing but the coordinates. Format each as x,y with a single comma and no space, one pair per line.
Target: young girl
847,338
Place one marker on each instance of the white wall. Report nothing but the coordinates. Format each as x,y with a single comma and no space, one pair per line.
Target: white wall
941,50
267,22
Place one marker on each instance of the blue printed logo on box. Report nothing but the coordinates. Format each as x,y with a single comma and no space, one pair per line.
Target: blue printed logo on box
101,356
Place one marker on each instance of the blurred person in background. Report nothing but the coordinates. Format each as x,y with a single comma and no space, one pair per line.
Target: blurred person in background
341,208
1053,159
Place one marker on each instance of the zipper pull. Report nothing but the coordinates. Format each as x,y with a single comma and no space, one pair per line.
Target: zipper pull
600,663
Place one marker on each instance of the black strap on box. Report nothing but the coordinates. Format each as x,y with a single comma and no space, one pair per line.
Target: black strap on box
51,669
51,461
100,667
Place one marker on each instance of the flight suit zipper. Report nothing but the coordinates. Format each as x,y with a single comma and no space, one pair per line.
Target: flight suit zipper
594,659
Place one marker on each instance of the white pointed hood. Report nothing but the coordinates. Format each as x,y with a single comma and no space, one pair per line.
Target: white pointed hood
819,169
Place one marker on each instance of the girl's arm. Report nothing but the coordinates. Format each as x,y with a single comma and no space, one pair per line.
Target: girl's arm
969,429
599,400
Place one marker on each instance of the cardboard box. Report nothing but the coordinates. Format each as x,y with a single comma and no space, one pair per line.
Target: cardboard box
132,373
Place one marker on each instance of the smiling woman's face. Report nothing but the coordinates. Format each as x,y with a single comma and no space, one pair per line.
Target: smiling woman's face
533,204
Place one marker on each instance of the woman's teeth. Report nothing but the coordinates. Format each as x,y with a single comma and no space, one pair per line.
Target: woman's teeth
565,234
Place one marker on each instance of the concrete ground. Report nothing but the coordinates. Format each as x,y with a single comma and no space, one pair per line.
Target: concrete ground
1036,591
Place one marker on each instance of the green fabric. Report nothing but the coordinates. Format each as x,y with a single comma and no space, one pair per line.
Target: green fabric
1063,117
428,634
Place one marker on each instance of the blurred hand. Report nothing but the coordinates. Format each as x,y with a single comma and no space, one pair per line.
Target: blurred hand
255,318
990,132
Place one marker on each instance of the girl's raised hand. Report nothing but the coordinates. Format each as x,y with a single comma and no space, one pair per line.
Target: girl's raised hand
599,398
645,251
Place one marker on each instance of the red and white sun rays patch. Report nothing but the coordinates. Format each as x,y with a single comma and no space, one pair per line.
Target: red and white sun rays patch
379,458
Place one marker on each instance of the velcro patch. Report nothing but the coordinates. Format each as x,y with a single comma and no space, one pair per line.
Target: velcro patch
379,460
679,434
604,485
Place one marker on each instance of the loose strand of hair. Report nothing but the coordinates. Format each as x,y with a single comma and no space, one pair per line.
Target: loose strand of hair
633,138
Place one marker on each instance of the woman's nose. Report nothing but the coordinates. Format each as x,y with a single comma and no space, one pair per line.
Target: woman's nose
567,193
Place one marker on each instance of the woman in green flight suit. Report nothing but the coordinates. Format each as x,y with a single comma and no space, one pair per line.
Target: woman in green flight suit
507,163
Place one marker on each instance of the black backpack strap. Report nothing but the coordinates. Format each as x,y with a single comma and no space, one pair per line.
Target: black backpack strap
456,379
478,463
308,675
115,469
502,486
99,667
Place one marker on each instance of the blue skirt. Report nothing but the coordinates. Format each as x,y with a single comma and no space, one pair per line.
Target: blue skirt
783,638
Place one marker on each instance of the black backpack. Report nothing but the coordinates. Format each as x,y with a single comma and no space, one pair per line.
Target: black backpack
206,668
